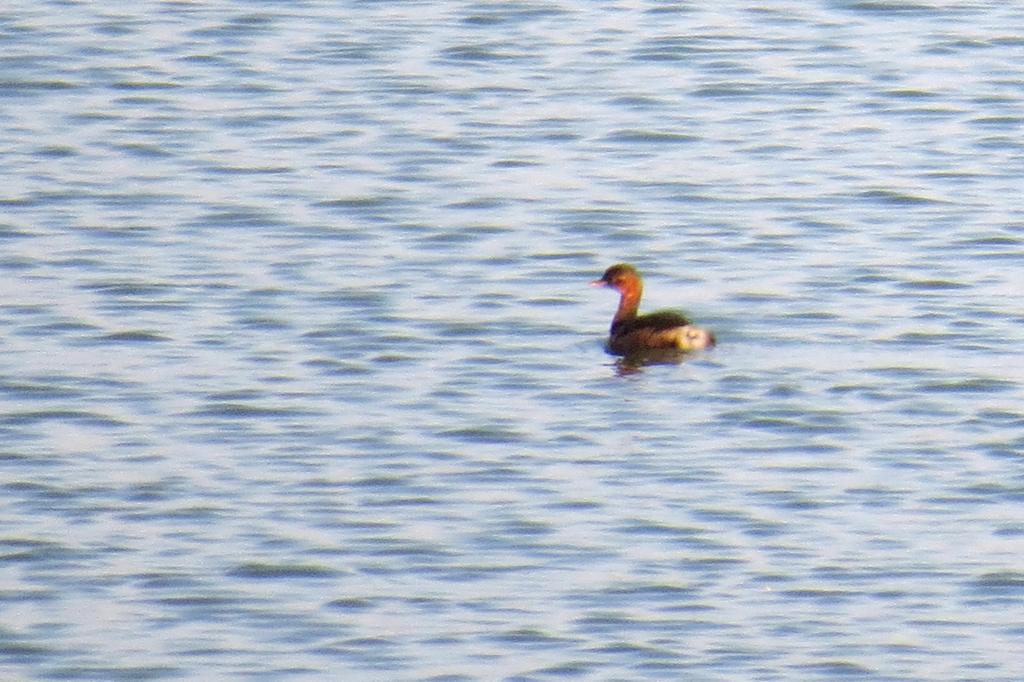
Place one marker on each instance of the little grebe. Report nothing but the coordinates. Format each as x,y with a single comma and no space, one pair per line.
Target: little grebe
631,333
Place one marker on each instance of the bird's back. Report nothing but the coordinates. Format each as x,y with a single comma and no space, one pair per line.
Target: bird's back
661,329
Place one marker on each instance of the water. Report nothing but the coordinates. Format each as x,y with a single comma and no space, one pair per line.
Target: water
302,379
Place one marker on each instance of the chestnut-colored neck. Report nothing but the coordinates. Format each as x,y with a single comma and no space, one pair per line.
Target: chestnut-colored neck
629,302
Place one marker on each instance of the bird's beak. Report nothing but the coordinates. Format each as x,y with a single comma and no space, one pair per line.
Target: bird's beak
599,283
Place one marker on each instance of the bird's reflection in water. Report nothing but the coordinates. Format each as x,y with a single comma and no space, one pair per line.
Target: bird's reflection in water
634,363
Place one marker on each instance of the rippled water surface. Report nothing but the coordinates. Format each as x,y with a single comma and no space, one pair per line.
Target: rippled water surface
301,377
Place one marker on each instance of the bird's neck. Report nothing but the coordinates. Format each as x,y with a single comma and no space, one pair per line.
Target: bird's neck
629,303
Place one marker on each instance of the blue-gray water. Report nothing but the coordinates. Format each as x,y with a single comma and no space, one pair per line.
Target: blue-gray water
301,378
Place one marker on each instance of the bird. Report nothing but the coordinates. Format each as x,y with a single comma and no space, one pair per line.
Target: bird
632,334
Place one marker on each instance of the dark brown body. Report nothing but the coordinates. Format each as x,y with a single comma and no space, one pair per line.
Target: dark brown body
632,333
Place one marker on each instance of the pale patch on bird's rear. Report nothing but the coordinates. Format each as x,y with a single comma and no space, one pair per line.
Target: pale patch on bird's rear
690,337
